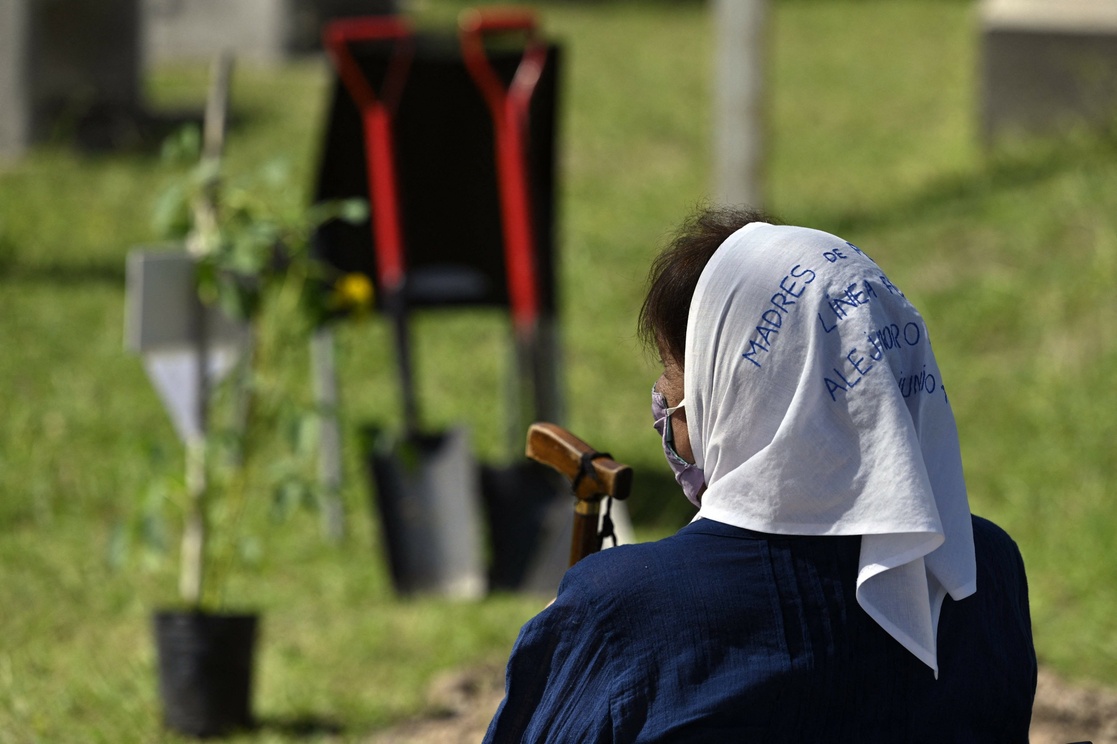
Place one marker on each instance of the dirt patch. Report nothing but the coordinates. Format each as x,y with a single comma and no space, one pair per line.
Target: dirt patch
463,702
1067,713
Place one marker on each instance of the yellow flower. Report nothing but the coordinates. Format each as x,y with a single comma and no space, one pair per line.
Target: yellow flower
353,292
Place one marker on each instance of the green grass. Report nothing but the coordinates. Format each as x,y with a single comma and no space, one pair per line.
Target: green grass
1011,256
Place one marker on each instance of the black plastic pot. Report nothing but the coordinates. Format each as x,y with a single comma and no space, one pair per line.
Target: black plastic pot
205,671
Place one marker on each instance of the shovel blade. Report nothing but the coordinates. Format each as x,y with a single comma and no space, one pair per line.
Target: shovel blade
427,498
528,509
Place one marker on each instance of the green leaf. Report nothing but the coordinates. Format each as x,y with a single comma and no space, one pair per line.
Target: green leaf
171,217
277,171
236,300
308,433
184,145
287,495
153,530
119,546
354,211
250,549
207,281
247,255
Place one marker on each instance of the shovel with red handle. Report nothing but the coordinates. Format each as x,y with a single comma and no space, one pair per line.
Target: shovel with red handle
509,107
376,120
425,483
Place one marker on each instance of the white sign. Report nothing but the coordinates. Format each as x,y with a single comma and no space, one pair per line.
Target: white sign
163,321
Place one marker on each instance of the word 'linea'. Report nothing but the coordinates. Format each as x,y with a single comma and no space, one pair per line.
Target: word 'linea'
855,363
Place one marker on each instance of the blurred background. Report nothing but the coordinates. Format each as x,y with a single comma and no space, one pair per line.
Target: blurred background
970,148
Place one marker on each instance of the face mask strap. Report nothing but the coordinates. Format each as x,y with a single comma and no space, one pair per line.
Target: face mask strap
684,471
669,430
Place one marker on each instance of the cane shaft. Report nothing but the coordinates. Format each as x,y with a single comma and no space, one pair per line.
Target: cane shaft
585,539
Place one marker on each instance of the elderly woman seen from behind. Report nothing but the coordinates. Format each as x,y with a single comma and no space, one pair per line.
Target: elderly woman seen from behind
834,585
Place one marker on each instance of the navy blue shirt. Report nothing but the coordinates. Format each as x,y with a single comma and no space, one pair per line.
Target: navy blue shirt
721,634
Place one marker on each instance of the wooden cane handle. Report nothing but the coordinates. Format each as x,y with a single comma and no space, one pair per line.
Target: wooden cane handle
592,476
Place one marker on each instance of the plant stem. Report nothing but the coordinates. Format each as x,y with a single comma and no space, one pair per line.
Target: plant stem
246,404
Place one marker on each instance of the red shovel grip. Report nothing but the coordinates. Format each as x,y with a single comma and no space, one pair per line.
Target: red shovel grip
509,109
376,115
490,20
339,34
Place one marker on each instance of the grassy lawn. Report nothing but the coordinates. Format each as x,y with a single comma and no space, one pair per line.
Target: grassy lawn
1010,255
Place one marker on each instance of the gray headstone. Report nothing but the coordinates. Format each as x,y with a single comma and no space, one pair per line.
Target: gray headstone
1047,65
258,30
67,64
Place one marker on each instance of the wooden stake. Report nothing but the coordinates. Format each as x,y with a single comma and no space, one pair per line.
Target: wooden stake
194,534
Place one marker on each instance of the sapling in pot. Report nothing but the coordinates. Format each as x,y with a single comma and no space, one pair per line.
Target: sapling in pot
251,259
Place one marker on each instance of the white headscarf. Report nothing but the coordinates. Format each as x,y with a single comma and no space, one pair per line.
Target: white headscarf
815,407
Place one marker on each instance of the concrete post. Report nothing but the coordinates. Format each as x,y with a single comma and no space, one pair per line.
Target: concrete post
15,99
1047,65
740,28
